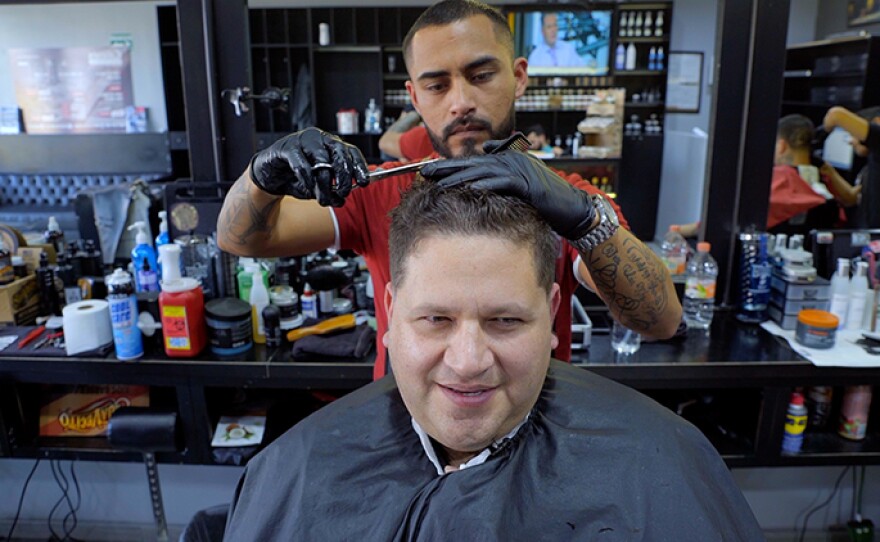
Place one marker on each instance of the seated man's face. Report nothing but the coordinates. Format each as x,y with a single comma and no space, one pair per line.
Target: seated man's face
470,337
536,141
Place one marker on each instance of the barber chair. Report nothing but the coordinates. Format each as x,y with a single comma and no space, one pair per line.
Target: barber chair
139,429
206,525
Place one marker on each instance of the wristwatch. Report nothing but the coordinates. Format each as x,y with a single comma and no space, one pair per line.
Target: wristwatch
608,224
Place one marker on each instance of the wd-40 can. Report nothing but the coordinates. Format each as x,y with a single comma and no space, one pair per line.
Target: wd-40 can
124,315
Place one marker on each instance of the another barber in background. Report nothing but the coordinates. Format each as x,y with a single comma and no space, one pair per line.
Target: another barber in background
552,51
407,139
803,196
864,128
464,80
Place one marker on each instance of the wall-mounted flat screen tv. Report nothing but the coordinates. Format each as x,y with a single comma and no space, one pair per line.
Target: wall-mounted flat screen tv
562,42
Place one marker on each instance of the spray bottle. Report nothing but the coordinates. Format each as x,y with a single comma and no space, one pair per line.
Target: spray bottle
146,278
162,238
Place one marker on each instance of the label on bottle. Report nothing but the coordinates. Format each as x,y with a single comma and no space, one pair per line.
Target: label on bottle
839,303
175,328
675,263
856,312
696,288
148,281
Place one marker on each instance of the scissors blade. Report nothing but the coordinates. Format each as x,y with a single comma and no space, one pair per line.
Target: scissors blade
380,174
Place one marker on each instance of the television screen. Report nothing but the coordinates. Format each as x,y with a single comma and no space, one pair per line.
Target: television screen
838,151
574,42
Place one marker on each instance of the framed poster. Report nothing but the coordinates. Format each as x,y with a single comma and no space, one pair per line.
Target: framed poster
684,82
859,12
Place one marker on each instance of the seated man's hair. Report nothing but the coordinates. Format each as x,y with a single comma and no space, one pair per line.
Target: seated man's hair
796,130
537,129
450,11
427,210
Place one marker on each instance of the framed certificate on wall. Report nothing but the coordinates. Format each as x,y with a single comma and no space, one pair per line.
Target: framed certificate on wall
684,82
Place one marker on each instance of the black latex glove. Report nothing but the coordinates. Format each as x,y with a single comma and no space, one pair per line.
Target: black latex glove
568,210
286,167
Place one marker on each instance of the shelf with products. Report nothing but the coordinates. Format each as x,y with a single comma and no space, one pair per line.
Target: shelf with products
635,21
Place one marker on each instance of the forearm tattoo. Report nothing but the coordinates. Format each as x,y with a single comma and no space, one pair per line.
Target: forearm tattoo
241,219
631,278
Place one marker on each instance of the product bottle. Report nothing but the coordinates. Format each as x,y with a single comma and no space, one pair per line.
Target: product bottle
658,64
638,28
658,24
64,270
819,405
49,304
621,26
162,238
121,297
171,262
699,291
631,56
54,236
652,58
309,302
854,412
839,290
619,57
373,118
272,325
7,270
858,297
259,298
674,250
648,24
145,277
795,424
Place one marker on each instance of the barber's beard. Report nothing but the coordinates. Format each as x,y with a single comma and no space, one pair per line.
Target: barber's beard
470,146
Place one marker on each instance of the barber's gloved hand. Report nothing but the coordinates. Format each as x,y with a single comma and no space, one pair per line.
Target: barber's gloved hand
568,210
288,167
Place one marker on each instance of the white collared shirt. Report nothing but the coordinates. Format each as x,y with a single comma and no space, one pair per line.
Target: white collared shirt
478,459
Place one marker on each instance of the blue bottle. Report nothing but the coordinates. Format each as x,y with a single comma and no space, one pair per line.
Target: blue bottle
146,276
124,316
162,238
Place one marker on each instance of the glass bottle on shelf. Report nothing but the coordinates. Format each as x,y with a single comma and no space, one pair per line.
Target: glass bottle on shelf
648,24
638,27
621,26
658,24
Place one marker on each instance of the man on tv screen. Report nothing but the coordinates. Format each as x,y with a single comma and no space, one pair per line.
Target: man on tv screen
551,51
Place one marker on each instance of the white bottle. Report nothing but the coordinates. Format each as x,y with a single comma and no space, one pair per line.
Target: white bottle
658,63
630,25
648,23
658,24
309,302
631,56
621,26
840,291
619,57
638,24
259,298
699,289
858,297
372,118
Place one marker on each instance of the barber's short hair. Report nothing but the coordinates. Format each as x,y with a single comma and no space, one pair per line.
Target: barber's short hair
428,210
796,130
449,11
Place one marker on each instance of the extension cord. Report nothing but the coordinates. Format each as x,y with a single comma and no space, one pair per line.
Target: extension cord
860,531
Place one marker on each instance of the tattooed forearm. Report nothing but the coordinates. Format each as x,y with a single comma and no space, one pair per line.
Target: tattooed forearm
634,283
242,218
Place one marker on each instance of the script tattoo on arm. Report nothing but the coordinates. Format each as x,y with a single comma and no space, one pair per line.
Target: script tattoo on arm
631,280
242,219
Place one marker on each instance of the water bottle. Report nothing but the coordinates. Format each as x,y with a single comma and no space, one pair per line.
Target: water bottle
699,290
373,118
674,250
858,297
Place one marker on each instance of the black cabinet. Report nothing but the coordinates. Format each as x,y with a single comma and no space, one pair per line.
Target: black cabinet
640,182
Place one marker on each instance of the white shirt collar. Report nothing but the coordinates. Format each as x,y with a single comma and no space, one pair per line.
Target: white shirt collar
478,459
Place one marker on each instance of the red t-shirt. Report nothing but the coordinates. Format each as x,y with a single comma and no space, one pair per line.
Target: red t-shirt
364,225
415,143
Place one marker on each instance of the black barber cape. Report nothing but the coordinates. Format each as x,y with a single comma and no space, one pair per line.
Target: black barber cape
595,461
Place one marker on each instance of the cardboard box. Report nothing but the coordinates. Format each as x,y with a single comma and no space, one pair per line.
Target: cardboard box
84,411
19,301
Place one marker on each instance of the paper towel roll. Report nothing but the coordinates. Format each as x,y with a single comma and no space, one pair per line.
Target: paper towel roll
86,326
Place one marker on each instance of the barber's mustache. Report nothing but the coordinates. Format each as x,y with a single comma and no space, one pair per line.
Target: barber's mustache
470,120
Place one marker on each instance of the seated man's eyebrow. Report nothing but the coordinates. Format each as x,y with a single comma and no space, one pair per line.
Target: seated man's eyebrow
478,63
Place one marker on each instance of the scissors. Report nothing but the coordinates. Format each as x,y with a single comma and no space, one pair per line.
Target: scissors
517,142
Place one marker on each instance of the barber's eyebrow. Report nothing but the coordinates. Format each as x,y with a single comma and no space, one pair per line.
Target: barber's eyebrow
474,64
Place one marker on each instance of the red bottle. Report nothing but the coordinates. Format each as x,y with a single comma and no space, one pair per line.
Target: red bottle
182,306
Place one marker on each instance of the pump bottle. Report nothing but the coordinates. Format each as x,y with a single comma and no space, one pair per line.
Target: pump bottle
146,279
259,298
858,296
839,290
